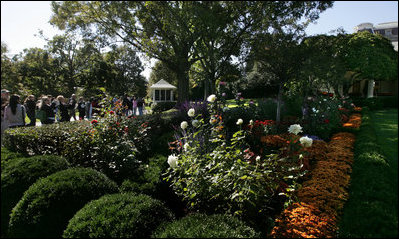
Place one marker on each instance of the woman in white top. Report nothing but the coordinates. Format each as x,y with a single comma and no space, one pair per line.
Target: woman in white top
15,113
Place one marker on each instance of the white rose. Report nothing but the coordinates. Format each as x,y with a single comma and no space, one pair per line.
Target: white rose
172,161
239,121
184,125
295,129
195,123
306,141
191,112
211,98
251,122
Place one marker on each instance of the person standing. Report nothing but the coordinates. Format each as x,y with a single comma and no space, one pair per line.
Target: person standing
125,105
63,108
72,106
89,108
5,95
81,108
45,105
30,106
15,113
140,105
134,104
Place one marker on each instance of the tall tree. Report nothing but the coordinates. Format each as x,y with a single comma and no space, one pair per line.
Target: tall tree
174,32
281,57
372,56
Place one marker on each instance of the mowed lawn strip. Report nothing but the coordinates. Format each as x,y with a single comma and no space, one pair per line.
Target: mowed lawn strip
371,210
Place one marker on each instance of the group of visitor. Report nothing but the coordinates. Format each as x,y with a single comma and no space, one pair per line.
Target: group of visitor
49,109
132,105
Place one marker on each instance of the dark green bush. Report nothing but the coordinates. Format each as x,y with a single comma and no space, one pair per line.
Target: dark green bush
149,182
6,155
377,103
204,226
162,106
46,207
118,216
19,174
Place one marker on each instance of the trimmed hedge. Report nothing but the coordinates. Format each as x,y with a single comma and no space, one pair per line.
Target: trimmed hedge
118,216
46,139
19,174
48,205
7,155
204,226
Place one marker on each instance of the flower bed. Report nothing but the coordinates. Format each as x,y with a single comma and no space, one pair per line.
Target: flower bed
322,196
354,121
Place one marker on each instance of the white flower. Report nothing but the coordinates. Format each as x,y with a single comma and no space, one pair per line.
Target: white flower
195,123
295,129
239,121
324,99
251,122
314,110
257,158
184,125
211,98
191,112
186,146
172,161
225,109
306,141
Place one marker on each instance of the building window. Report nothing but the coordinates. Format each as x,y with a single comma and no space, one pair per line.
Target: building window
157,95
388,32
168,95
394,31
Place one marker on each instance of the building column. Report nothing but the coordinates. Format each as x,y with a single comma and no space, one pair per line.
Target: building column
370,88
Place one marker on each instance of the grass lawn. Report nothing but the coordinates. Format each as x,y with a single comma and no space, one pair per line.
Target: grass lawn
372,208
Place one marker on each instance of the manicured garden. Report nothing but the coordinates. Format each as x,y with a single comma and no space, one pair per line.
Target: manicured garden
175,174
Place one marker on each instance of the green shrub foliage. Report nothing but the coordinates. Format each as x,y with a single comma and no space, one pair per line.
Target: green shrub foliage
204,226
162,106
123,215
46,139
19,174
48,205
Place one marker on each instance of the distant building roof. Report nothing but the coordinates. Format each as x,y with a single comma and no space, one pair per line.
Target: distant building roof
162,84
386,25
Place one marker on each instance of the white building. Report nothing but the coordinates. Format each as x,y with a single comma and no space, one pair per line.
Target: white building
162,91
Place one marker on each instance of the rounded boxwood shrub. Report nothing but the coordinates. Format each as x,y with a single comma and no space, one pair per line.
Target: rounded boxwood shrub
46,207
19,174
123,215
206,226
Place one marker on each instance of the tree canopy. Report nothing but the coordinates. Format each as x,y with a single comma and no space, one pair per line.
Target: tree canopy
179,33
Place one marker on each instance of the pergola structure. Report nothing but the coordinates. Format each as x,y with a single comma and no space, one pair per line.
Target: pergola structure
162,91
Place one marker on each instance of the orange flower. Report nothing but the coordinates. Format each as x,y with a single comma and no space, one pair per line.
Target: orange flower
323,195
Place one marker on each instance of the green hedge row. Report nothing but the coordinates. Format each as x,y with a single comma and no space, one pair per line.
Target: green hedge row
377,103
368,212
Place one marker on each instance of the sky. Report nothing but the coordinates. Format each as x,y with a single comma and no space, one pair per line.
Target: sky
21,21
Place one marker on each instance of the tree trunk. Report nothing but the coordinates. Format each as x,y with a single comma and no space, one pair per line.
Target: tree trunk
279,96
182,84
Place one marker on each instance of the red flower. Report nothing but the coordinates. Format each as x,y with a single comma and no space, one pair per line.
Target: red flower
326,121
331,94
111,112
94,121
